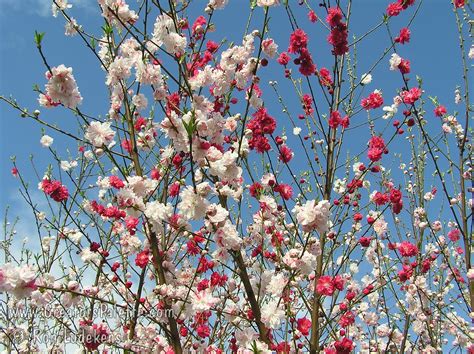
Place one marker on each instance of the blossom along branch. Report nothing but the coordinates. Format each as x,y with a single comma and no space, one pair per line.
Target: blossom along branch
204,219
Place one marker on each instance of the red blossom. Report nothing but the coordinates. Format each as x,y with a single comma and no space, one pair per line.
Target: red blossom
183,331
94,335
284,58
131,224
325,285
307,102
116,182
373,101
338,34
127,145
198,27
312,16
203,285
440,111
347,319
307,67
286,154
261,123
204,265
338,282
394,9
212,46
284,190
334,16
281,348
380,198
404,66
334,119
395,196
454,235
397,207
218,280
405,273
404,36
192,248
256,189
172,103
411,96
173,190
203,331
407,249
298,41
325,77
259,143
425,265
376,148
155,174
344,346
140,123
55,190
338,39
303,325
142,259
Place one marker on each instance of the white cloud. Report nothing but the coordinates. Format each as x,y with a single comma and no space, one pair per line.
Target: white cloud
38,7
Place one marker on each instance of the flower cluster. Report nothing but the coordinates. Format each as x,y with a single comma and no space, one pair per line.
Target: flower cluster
20,281
395,8
60,89
373,101
339,33
260,125
55,189
299,45
376,148
313,215
327,285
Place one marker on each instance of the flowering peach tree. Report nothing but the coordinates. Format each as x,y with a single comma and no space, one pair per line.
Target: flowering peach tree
204,210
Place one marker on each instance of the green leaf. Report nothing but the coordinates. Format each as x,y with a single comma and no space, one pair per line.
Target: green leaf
39,37
419,80
107,29
191,126
253,4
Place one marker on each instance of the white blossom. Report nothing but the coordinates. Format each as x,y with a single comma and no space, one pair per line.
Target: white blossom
313,216
46,141
99,134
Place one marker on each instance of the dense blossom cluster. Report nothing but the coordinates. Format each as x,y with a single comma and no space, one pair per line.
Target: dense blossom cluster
261,124
220,223
376,148
54,189
20,281
373,101
395,8
60,89
299,45
313,216
339,32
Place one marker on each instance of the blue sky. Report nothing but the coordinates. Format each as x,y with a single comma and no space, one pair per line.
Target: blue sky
433,52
